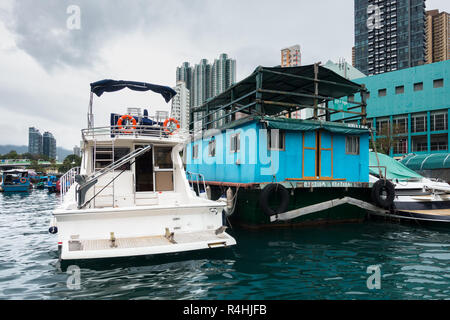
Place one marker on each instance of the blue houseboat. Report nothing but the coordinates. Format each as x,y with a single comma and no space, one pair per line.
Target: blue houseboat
51,183
279,171
15,181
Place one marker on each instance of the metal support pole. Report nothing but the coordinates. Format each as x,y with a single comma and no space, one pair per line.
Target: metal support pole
90,114
316,89
259,81
363,105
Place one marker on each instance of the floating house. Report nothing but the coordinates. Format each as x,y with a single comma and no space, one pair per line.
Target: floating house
279,171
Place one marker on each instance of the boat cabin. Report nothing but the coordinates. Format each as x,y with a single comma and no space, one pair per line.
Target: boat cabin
259,132
15,180
123,178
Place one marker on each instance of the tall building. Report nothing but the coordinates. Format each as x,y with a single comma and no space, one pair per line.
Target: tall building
437,35
291,56
77,151
206,80
34,141
389,35
223,74
184,73
201,83
180,105
49,145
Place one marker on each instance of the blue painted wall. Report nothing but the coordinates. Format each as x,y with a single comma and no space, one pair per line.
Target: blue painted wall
254,157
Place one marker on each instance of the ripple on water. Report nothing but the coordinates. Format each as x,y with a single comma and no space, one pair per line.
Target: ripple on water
308,263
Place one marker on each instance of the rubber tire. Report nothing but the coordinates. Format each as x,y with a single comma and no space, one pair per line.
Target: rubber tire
380,186
282,192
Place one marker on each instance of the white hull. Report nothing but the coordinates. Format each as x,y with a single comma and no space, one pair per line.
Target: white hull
88,234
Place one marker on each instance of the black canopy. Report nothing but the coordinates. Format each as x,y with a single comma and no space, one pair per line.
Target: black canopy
109,85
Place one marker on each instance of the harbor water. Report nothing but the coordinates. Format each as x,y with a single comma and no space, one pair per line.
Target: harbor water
331,262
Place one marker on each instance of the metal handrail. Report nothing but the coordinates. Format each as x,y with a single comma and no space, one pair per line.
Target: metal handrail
66,181
199,178
131,131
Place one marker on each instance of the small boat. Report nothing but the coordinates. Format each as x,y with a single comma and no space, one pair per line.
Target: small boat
41,183
51,184
417,199
131,197
15,180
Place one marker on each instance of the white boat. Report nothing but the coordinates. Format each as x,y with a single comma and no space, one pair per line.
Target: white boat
417,199
130,197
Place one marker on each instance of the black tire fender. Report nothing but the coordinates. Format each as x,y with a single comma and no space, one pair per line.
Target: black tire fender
281,192
383,193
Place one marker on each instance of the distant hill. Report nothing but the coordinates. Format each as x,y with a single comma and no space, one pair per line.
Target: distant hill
60,152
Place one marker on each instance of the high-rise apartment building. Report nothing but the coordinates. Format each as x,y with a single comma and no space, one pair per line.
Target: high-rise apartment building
223,74
184,73
49,145
34,141
205,80
201,83
180,105
389,35
291,57
438,36
77,151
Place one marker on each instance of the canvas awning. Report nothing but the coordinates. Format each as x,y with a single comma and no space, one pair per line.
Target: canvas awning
109,85
429,161
310,125
390,167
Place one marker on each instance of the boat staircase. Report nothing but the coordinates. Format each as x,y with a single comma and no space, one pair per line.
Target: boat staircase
105,192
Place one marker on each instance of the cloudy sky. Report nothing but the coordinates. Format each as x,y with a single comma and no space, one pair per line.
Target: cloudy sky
46,68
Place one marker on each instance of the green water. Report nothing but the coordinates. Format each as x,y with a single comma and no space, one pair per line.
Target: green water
309,263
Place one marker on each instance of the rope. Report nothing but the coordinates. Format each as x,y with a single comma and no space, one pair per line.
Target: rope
376,153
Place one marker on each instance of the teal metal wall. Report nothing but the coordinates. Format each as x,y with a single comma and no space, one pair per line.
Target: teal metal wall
251,163
410,102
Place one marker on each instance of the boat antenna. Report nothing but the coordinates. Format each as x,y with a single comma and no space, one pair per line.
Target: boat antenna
90,115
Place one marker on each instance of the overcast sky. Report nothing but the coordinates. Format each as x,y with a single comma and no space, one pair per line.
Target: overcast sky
46,68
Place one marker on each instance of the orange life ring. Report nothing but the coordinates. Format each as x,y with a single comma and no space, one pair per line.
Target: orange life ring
23,180
167,126
122,118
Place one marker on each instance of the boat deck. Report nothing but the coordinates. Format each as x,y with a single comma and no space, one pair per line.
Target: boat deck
147,245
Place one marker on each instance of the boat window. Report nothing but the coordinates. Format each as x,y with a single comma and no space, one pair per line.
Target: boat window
439,83
195,151
235,142
275,139
212,148
163,157
104,156
352,145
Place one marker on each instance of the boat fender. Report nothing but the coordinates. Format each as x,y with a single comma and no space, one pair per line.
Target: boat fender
53,230
281,192
383,193
229,207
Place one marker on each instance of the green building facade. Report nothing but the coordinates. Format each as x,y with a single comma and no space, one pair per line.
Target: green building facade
411,105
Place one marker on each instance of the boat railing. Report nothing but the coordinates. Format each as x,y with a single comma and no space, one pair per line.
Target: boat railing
198,178
67,180
114,131
379,168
